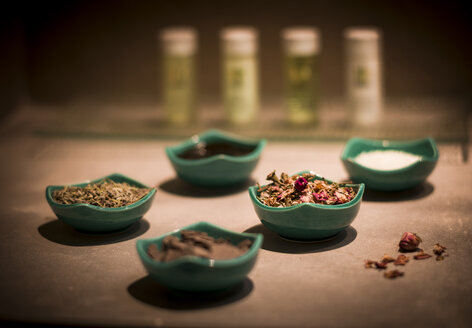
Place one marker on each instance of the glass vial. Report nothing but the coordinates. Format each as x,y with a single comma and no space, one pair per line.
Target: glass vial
240,74
179,47
363,75
301,46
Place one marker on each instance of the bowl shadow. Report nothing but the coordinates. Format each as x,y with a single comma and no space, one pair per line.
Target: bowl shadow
420,191
60,233
273,242
180,187
149,291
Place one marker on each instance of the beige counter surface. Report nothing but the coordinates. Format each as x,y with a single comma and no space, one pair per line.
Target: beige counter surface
53,274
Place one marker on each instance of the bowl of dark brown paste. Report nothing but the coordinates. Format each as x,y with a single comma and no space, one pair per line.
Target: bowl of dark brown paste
200,257
103,205
215,158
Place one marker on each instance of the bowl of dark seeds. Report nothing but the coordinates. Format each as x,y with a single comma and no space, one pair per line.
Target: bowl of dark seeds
107,204
201,257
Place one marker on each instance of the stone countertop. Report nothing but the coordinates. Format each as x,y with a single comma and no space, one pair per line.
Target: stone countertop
53,274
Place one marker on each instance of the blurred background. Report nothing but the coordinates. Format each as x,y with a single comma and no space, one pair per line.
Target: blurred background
65,62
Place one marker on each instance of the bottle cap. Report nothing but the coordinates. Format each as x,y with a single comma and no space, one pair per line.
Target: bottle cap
179,40
362,33
239,40
301,40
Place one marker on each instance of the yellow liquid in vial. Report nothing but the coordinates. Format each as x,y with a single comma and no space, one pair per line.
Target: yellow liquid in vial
241,92
179,89
302,88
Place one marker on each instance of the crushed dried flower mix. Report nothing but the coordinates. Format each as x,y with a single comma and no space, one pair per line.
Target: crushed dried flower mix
306,188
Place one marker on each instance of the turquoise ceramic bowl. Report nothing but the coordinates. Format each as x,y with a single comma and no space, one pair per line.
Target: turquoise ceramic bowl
97,219
391,180
196,274
308,221
219,170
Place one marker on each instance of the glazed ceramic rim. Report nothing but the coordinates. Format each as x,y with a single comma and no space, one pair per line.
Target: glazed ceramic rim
171,151
351,203
379,144
200,261
143,200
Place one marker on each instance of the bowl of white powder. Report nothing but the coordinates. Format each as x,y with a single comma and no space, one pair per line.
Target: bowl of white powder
390,165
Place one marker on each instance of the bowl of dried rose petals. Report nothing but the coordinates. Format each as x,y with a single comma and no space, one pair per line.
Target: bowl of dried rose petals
306,206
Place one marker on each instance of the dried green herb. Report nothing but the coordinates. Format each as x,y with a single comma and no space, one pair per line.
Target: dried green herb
306,188
106,193
393,274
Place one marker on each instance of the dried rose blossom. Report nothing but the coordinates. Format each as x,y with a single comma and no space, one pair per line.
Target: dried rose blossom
393,274
288,190
421,255
300,184
409,241
401,260
387,259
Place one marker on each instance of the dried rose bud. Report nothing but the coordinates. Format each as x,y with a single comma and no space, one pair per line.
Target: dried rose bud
387,258
393,274
409,241
421,256
401,260
300,184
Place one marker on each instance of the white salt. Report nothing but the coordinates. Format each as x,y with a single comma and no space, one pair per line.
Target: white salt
386,159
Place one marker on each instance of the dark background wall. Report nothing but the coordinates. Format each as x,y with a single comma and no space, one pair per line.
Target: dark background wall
60,51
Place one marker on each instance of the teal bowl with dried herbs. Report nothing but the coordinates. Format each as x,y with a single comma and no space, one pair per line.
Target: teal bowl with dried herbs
397,165
197,274
97,219
308,221
231,160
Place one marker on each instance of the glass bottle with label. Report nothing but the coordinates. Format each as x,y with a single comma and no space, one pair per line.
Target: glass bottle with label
363,75
301,47
240,74
179,46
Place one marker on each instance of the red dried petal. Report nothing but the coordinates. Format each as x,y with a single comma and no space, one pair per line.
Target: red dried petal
438,249
393,274
368,264
421,256
380,265
387,259
401,260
